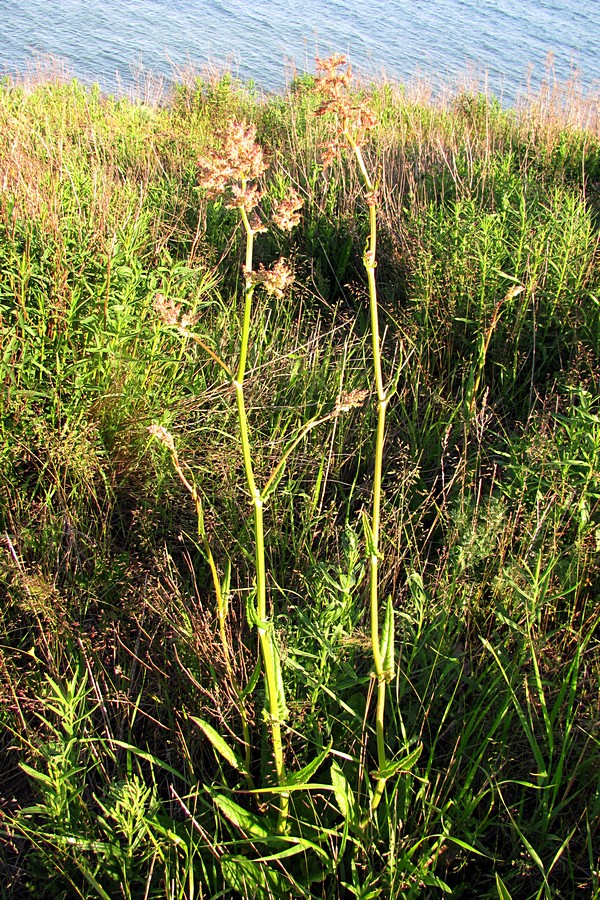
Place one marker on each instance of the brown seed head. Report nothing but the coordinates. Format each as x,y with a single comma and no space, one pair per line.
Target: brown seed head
333,85
286,213
246,198
170,313
167,310
240,160
275,280
349,400
256,223
164,436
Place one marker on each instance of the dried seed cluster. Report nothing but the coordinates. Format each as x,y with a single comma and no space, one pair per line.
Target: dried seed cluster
240,160
350,400
275,280
351,120
286,213
170,313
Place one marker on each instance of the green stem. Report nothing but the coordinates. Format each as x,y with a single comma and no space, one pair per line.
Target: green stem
248,292
222,616
265,640
370,263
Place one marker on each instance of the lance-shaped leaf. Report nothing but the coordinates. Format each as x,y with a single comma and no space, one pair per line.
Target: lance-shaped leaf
246,821
220,744
281,706
343,793
303,775
249,879
252,615
387,642
369,538
502,890
249,688
404,764
225,585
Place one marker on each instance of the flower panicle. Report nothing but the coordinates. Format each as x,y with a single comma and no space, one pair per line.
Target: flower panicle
286,212
244,197
171,313
161,434
334,80
349,400
167,310
275,281
241,159
351,119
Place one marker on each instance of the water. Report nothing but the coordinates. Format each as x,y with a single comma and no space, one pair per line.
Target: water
112,42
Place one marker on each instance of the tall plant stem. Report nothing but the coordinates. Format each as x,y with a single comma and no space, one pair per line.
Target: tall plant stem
264,629
370,263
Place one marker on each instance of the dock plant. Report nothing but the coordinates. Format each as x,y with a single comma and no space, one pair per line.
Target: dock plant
350,122
299,529
232,173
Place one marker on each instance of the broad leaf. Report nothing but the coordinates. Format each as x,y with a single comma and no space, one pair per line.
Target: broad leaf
253,880
404,764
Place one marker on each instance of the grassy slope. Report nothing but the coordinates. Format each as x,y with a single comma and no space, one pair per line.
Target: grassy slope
489,281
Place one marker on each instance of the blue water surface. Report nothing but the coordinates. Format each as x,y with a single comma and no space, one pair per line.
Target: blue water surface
505,43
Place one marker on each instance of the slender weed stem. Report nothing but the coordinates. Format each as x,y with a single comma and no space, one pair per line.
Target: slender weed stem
266,638
354,122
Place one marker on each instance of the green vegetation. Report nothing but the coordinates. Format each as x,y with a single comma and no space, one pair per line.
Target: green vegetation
387,470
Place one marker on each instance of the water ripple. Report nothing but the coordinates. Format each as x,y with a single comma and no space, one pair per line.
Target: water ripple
105,40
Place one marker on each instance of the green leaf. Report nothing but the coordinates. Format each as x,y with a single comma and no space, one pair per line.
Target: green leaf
149,757
387,641
503,893
33,773
252,880
275,483
298,845
404,764
90,878
249,688
344,794
417,589
252,616
246,821
225,585
220,744
304,775
368,532
280,704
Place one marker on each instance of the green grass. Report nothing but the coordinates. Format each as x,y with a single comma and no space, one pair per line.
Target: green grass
488,284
